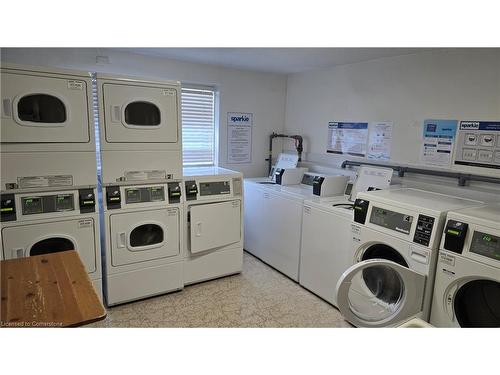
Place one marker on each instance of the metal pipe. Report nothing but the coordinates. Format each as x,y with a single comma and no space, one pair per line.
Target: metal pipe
462,177
299,147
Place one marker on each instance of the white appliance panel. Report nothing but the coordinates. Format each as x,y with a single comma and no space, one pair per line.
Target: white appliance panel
40,109
140,114
215,225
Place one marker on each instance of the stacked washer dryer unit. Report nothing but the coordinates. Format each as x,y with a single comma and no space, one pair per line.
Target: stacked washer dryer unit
48,197
213,223
395,242
141,157
467,286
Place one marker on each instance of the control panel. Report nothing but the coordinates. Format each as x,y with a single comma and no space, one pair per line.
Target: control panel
423,231
485,244
393,220
47,203
144,194
215,188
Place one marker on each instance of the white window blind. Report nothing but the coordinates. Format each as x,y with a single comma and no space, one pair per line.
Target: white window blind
198,126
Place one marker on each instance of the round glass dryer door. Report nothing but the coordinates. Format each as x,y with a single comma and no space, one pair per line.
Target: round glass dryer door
477,304
379,292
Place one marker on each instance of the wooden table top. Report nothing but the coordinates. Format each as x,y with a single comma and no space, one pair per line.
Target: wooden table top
51,290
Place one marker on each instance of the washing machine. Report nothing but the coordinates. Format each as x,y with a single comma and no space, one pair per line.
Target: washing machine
273,219
47,128
467,286
140,129
213,223
35,223
325,244
142,238
394,247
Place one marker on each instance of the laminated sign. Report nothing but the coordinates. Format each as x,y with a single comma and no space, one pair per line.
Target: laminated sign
347,138
239,137
478,144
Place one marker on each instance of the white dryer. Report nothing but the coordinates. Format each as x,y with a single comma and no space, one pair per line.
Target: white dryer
142,237
36,223
140,128
395,240
47,128
467,286
213,223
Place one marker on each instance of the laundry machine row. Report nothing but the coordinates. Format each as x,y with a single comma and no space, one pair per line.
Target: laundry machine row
159,237
394,251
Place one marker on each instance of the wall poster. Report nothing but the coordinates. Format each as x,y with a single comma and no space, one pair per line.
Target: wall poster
347,138
439,139
379,140
239,137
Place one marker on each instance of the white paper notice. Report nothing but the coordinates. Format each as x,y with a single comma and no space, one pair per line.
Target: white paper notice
239,137
379,140
347,138
439,139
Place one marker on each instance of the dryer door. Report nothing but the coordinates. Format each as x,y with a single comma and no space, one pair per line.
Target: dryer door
141,236
139,114
37,109
379,293
215,225
51,237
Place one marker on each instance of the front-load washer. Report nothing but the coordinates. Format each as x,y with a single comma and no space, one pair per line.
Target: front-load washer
142,238
213,223
36,223
467,286
395,241
47,128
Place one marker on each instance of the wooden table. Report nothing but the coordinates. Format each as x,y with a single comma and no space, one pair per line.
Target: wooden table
51,290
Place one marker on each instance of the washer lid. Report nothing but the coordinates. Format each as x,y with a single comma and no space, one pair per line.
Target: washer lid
379,292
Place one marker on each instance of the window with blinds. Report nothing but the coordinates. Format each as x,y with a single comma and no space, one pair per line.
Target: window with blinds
198,126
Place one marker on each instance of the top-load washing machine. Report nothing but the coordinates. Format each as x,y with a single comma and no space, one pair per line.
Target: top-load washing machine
213,223
140,129
467,286
395,241
47,128
273,219
326,233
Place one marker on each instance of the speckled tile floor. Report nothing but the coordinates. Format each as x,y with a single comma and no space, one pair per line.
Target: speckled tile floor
258,297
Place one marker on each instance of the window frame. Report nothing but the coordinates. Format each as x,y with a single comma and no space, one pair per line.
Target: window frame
215,109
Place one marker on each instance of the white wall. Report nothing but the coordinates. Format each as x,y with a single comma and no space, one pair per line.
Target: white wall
262,94
444,84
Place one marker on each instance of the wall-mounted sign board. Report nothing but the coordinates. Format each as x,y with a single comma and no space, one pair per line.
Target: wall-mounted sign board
239,137
478,145
438,142
349,138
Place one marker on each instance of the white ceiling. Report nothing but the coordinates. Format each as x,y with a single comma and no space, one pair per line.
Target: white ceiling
276,60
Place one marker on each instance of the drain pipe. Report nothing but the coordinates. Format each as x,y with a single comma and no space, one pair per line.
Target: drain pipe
299,146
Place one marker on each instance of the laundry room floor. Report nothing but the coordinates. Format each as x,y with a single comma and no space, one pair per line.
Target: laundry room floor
258,297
